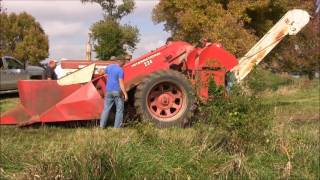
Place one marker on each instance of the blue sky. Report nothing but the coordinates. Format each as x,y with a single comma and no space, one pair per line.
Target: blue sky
67,24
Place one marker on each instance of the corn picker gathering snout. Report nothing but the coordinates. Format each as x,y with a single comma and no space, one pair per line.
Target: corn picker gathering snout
163,84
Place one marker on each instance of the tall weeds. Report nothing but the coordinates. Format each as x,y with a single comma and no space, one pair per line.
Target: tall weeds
242,135
242,120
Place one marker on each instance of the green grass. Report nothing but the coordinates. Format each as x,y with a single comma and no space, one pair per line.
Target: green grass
300,99
143,151
7,103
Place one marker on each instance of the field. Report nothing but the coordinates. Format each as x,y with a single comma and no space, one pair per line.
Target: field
272,136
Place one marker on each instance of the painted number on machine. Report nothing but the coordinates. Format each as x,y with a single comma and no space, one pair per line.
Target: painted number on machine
147,63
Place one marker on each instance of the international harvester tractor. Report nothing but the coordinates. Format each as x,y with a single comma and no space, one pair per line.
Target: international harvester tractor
163,84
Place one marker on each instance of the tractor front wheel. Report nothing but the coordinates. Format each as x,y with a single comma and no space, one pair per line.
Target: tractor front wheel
166,98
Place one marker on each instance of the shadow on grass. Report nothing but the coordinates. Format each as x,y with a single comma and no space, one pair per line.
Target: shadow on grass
9,95
81,124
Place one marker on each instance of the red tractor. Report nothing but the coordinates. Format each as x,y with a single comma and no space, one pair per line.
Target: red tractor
162,84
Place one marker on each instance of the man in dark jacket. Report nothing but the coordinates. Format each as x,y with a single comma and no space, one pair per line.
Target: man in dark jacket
49,73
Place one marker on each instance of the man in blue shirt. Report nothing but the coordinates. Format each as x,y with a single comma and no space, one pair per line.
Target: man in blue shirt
114,88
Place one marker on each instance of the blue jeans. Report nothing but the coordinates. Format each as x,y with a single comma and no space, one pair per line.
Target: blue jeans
111,98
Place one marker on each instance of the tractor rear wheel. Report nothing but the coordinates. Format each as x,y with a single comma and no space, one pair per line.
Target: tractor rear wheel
165,98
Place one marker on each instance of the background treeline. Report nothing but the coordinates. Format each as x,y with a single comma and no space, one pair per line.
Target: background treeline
239,24
236,24
22,37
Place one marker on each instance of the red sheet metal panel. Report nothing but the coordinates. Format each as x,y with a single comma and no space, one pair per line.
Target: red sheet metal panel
38,96
46,101
217,57
84,104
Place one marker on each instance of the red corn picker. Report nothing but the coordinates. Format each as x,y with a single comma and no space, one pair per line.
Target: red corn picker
162,84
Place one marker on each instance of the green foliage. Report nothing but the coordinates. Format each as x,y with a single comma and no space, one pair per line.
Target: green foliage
243,120
299,54
239,24
113,9
23,38
221,21
260,80
265,15
111,37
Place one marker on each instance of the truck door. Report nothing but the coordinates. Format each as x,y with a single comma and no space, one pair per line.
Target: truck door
3,76
13,72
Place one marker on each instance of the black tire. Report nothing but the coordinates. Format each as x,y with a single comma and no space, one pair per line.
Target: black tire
176,80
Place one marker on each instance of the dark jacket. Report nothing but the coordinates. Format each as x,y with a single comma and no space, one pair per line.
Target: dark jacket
49,73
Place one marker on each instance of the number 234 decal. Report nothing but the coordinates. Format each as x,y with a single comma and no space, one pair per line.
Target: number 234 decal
147,63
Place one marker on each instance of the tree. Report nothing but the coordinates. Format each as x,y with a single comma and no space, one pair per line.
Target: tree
113,39
110,36
238,25
222,21
299,54
22,37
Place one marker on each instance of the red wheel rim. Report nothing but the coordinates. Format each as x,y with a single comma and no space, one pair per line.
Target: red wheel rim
165,100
